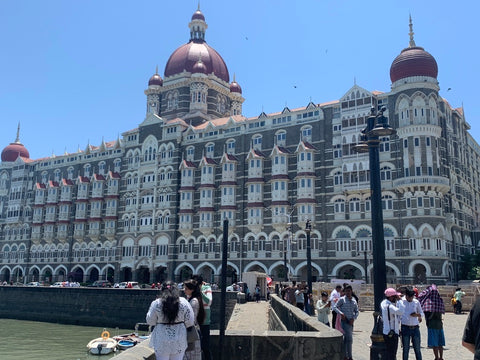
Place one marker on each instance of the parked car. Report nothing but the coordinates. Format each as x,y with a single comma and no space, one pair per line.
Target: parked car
101,283
34,283
57,284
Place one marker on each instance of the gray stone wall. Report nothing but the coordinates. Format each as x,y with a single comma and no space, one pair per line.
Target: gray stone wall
121,308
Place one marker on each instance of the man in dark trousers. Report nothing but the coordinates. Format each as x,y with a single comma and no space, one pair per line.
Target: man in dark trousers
471,334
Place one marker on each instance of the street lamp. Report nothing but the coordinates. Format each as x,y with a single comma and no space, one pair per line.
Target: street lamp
308,229
286,247
377,126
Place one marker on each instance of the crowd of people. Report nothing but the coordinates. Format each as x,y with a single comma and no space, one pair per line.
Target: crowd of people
402,312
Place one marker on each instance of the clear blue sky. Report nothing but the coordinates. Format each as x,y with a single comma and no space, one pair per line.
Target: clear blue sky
73,72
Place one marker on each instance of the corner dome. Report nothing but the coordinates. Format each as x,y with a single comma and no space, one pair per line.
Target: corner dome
155,80
199,67
413,61
235,87
15,149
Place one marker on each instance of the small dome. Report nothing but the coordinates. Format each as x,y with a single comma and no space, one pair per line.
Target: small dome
198,15
413,61
199,67
235,87
13,151
155,80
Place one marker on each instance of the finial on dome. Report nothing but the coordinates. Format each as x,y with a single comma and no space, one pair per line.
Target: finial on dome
411,33
156,70
234,78
17,140
198,8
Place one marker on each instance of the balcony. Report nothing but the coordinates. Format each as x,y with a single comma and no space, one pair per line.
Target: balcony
437,183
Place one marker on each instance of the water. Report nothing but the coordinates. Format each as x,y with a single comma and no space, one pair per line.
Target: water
21,340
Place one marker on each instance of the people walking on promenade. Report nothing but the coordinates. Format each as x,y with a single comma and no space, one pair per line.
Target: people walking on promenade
171,315
434,308
194,296
410,320
347,308
392,310
334,296
459,294
290,293
471,333
205,327
323,309
299,298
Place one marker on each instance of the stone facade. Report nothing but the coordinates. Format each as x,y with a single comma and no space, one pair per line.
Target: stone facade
150,205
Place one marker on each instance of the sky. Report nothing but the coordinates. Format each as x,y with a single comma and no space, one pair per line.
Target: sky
74,72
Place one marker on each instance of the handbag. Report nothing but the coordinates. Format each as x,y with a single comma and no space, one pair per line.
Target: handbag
192,334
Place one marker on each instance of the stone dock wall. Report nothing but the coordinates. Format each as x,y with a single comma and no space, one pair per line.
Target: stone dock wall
121,308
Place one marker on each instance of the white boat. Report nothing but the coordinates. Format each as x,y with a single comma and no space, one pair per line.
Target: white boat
102,345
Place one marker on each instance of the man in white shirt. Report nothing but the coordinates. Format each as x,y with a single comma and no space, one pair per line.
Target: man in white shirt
411,319
334,296
392,310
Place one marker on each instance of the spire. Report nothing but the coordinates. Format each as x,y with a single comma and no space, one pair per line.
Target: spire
17,140
156,70
411,33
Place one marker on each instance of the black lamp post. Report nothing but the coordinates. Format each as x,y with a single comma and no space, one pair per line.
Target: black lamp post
308,229
285,249
377,126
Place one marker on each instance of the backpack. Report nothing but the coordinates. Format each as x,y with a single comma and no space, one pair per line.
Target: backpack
453,301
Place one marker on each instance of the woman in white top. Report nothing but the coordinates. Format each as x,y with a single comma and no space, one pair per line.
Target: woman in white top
194,297
171,315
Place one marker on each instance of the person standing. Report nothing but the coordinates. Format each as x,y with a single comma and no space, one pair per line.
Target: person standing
459,294
411,319
290,292
205,327
323,309
257,293
347,308
171,315
299,298
433,307
471,333
392,310
194,297
334,296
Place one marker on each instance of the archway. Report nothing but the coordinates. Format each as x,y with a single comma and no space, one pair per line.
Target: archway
232,276
76,275
47,276
349,272
110,274
160,274
35,274
278,273
185,273
6,275
94,275
126,274
143,275
420,273
208,274
303,274
391,276
60,275
17,275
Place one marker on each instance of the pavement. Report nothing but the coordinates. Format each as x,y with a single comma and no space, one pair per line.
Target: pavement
254,316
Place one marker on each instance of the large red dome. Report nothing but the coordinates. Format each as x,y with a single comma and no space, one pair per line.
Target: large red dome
186,56
413,61
13,151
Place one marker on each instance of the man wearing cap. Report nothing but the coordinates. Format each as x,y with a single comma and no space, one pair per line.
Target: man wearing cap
411,319
392,310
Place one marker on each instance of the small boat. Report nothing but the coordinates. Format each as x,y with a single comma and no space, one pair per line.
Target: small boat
102,345
125,344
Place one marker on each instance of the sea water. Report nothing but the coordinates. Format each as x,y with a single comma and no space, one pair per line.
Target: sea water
22,340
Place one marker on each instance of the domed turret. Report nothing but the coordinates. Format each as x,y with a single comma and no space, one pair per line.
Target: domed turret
235,87
413,61
187,55
155,79
15,149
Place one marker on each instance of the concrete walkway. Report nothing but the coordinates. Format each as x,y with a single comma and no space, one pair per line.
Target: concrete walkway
250,316
254,316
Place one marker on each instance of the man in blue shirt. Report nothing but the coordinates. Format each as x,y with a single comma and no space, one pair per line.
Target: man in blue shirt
347,308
